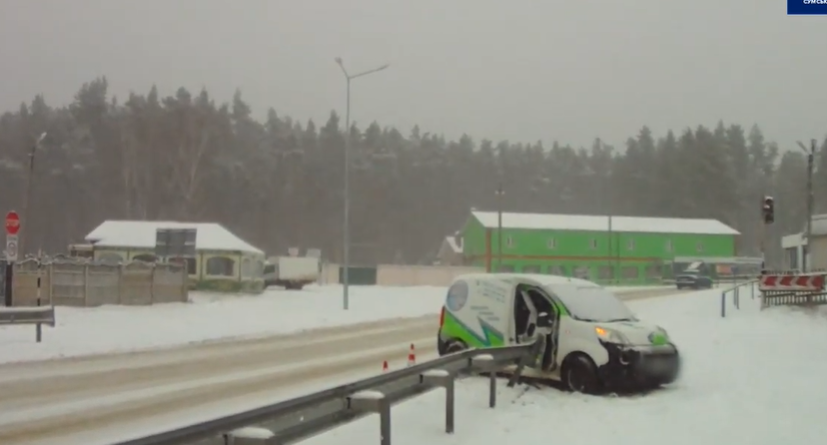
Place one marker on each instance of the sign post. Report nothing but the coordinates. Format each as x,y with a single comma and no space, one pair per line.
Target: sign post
12,229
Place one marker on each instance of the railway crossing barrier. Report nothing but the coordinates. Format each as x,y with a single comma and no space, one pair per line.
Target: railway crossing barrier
792,289
294,420
37,316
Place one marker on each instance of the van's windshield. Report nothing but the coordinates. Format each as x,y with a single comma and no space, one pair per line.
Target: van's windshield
594,304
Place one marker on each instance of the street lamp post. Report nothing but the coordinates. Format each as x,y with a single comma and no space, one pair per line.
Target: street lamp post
346,221
500,193
810,161
27,196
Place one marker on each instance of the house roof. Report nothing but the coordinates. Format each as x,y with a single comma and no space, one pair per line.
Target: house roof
452,244
141,234
600,223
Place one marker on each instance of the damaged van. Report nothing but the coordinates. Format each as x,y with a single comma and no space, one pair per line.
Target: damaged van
590,341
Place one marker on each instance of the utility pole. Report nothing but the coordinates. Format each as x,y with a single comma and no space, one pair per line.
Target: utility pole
500,193
805,264
27,197
346,222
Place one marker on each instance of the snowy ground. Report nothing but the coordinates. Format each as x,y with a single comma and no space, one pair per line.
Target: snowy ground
753,378
84,331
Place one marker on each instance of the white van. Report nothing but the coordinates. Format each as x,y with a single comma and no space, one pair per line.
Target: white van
590,340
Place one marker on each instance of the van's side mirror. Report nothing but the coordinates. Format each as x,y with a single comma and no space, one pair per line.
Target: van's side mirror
544,320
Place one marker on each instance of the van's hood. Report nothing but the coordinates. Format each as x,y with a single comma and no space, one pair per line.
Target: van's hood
639,332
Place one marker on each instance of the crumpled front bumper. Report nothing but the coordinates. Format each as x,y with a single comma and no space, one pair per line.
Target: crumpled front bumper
640,367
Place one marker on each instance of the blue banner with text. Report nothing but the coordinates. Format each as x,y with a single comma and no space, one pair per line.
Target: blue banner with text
806,7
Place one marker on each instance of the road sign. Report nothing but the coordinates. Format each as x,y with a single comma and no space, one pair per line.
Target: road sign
12,223
11,248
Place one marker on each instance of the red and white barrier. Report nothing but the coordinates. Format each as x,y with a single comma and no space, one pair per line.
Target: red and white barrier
781,282
411,356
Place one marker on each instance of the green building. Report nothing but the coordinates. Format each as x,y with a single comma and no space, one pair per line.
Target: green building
619,249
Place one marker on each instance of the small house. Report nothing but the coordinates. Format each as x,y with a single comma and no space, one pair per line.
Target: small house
223,262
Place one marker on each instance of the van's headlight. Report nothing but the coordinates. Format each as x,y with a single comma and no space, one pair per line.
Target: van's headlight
611,336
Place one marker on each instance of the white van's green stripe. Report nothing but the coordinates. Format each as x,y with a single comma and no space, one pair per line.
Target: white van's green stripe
453,328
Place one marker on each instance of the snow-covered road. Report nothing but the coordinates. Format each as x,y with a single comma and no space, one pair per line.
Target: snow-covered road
46,400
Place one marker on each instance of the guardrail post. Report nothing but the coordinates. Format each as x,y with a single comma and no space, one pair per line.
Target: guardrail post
484,362
375,402
39,327
723,304
440,377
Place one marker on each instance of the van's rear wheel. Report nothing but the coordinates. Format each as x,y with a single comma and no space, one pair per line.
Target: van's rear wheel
455,346
580,375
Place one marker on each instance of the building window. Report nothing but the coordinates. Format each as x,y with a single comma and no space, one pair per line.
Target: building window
509,242
581,272
551,243
189,261
699,247
606,272
144,257
558,269
669,246
220,267
630,244
630,272
531,269
593,243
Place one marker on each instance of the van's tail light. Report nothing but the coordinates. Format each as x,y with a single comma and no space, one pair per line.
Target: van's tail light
442,316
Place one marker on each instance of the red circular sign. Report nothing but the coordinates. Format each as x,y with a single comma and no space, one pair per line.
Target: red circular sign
12,223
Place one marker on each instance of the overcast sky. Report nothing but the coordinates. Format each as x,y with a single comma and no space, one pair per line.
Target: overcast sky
517,69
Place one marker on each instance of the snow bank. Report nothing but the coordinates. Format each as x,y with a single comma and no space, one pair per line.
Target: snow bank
83,331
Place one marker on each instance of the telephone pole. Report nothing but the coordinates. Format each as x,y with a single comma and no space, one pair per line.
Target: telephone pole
805,264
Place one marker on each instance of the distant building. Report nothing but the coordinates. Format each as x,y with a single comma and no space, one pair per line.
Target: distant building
633,249
450,251
223,261
795,246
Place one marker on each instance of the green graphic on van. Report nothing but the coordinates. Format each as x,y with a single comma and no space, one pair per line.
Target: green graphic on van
453,328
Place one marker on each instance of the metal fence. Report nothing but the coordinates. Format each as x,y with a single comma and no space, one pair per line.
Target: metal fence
79,283
734,292
294,420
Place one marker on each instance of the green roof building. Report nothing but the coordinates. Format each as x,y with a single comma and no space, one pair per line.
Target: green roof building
618,249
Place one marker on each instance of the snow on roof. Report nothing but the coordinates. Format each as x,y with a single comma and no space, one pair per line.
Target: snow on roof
141,234
599,223
452,243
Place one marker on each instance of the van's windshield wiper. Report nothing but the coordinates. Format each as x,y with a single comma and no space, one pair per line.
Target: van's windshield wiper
619,319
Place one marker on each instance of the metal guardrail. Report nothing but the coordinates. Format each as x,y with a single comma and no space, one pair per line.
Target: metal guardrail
297,419
37,316
735,291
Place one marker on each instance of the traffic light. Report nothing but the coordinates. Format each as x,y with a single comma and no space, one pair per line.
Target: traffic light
768,209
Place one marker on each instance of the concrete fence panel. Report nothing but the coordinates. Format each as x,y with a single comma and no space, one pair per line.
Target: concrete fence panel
136,283
94,284
101,285
403,275
170,282
68,284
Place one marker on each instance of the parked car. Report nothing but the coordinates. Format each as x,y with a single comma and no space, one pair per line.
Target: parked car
693,280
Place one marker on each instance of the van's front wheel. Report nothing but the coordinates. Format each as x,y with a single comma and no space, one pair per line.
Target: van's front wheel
580,375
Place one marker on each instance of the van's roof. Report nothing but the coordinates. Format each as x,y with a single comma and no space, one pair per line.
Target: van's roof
539,279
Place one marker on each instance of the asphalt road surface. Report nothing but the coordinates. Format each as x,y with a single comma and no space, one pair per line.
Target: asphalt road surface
50,401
